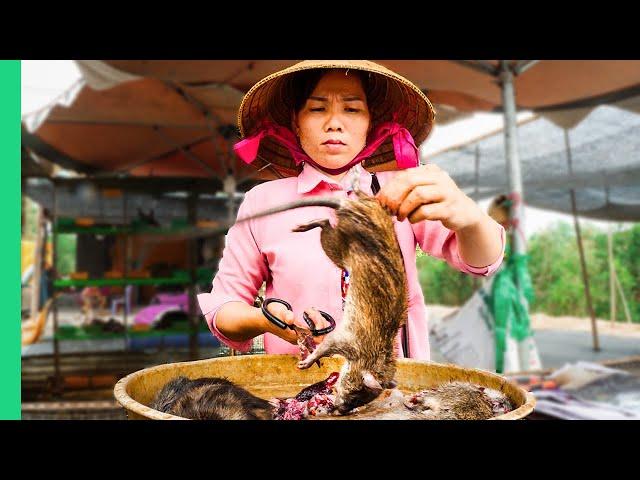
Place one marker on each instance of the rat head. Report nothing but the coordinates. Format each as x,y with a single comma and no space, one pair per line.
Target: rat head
356,388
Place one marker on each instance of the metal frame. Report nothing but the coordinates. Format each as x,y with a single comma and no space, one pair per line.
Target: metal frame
42,148
212,121
170,142
523,65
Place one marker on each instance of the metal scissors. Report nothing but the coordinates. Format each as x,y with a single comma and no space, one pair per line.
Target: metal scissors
305,335
312,326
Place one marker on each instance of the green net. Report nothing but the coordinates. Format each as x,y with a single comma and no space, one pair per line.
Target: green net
510,304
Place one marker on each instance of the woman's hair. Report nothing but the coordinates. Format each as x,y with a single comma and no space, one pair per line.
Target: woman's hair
303,83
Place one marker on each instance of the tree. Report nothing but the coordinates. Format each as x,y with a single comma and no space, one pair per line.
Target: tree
554,265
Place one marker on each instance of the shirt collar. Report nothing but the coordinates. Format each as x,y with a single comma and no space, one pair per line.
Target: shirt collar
310,178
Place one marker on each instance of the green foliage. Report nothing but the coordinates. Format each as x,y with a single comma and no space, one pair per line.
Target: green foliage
66,253
554,266
442,284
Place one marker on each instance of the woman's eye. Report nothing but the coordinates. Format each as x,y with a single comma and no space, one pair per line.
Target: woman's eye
317,109
348,109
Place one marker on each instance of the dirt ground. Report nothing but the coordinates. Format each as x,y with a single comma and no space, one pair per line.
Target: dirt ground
541,321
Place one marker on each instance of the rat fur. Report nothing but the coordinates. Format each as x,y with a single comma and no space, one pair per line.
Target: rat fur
210,399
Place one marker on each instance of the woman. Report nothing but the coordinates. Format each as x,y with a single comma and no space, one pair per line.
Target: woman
317,122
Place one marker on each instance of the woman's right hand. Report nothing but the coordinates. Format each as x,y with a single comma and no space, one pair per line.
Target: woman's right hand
281,312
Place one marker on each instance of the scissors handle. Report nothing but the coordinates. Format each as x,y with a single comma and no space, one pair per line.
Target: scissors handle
322,331
312,326
272,318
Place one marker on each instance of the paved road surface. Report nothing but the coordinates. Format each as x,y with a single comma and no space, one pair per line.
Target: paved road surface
557,347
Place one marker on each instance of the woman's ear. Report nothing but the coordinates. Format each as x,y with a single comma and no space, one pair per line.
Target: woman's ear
294,124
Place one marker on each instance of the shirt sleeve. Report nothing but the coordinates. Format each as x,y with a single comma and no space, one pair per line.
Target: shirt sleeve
438,241
241,272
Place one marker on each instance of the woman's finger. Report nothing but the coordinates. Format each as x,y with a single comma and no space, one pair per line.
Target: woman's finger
319,322
433,211
317,318
281,312
420,195
393,193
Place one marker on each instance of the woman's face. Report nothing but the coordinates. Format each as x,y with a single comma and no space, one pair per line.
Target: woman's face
334,122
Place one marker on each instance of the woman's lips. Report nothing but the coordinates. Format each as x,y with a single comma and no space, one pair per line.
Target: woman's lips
334,146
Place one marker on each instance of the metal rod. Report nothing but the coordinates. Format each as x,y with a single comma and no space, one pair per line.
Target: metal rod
37,263
57,380
596,100
212,120
125,273
245,68
583,263
138,163
524,65
624,299
513,160
124,123
254,174
192,260
187,153
230,190
159,185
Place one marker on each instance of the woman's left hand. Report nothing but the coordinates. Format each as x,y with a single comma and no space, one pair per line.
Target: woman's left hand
319,321
428,193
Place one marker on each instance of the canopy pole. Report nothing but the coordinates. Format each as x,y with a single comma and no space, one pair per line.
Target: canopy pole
36,278
513,161
230,186
583,264
612,282
192,260
126,244
624,299
57,387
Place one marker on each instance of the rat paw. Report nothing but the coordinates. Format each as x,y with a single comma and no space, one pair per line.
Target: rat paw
304,364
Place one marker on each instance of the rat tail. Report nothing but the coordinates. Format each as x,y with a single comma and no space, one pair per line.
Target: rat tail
307,202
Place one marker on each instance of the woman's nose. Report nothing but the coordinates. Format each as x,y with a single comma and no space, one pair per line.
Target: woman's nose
334,122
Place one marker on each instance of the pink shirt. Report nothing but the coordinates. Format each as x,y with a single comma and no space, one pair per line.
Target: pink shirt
297,270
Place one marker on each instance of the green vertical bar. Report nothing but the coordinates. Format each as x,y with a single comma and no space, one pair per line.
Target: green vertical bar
10,239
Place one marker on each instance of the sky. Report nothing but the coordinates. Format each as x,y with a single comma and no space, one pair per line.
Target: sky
45,80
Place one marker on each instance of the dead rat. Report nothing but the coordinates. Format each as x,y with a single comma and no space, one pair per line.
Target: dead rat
364,243
452,401
210,398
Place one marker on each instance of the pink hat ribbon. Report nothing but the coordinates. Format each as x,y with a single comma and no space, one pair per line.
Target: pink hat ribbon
404,147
